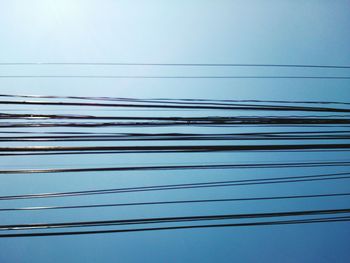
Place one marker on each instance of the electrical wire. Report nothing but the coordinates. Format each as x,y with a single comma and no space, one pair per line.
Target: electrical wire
174,202
260,181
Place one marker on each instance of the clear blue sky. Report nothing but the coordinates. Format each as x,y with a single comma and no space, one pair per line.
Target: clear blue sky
269,32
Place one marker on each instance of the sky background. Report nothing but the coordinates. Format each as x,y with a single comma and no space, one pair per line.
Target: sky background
267,32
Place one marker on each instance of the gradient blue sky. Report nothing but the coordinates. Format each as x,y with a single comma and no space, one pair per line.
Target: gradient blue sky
281,32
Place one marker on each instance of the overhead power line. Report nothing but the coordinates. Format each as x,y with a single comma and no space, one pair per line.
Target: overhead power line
171,64
174,101
182,167
260,181
180,137
157,220
169,77
241,107
175,148
33,208
265,223
251,224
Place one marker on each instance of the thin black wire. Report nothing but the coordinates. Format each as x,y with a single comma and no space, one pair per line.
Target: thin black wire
29,116
157,220
184,106
267,134
204,137
327,124
169,121
217,119
180,167
174,202
262,181
149,152
178,138
176,148
175,101
170,77
251,224
171,64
